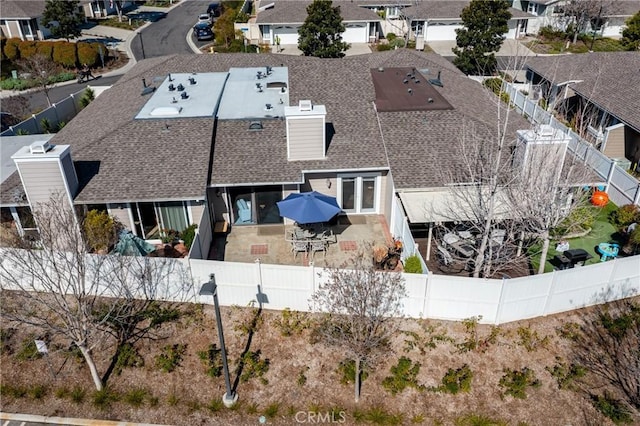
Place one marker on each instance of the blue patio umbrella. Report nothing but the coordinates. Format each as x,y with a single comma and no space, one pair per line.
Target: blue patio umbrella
309,207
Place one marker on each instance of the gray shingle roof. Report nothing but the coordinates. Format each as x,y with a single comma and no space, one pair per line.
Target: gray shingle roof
122,159
295,12
21,9
609,79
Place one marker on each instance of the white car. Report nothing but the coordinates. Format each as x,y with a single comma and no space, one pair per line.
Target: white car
204,17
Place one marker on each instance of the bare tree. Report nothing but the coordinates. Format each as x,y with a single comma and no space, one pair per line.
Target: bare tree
360,303
65,291
608,346
41,70
582,14
547,186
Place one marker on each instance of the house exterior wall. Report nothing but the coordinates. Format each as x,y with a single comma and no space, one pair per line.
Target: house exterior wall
122,212
41,179
614,148
305,138
318,182
196,212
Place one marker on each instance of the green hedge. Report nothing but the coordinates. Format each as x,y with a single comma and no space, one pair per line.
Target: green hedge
64,53
11,50
27,48
88,53
45,49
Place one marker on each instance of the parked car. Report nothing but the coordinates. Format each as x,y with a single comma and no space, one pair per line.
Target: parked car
214,10
202,31
204,17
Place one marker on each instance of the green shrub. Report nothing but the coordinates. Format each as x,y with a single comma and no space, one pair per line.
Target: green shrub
170,357
88,53
188,235
530,339
480,420
455,381
391,36
11,49
404,374
580,219
625,216
28,351
566,375
212,359
272,410
397,42
87,97
347,371
493,84
15,84
62,392
62,76
27,48
103,399
302,378
45,48
77,395
382,47
434,336
135,397
378,416
291,322
412,264
38,391
215,405
516,382
569,330
613,408
551,33
46,126
127,356
100,230
64,53
253,366
13,391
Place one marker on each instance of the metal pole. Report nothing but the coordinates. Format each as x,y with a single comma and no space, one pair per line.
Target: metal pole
223,351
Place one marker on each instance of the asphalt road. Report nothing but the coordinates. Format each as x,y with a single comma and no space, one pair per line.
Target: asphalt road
168,35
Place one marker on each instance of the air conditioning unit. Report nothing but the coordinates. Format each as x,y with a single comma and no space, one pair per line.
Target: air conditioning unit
623,163
40,147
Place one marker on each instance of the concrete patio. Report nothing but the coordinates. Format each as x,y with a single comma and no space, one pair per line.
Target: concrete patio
247,243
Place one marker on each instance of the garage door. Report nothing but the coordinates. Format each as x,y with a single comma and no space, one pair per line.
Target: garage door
442,31
287,34
355,33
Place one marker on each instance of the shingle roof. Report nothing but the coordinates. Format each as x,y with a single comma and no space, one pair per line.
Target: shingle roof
447,9
21,9
295,12
121,159
607,79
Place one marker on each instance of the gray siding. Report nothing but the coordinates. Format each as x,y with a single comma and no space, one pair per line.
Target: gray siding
306,138
41,179
197,210
615,143
121,212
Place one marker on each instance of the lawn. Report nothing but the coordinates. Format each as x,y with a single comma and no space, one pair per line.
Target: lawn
601,232
583,45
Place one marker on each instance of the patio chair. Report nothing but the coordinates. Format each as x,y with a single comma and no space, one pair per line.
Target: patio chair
244,211
318,245
298,247
444,256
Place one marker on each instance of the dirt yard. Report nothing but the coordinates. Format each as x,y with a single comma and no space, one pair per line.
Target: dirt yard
302,383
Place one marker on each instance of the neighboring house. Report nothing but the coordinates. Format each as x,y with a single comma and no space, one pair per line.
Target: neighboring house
592,87
280,20
551,13
21,19
251,129
369,20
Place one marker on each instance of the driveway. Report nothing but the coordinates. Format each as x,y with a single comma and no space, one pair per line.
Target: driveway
292,49
510,47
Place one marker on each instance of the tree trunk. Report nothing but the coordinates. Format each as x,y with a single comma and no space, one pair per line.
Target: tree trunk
357,379
545,250
92,366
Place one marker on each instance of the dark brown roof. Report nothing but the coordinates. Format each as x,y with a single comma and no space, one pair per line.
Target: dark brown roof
405,89
121,159
608,79
295,12
21,9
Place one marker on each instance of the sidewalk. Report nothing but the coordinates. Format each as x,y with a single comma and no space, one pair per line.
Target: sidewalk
32,418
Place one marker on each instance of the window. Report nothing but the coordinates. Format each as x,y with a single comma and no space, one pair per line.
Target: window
265,30
358,194
393,11
257,205
151,218
532,8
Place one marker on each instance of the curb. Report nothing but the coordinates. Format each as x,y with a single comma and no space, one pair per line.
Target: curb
67,420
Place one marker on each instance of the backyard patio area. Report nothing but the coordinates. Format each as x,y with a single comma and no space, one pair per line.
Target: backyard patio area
272,243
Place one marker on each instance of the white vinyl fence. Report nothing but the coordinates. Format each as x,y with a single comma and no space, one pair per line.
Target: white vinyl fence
399,228
428,296
621,186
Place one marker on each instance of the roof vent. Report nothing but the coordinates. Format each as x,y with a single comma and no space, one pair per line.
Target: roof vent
380,69
436,81
405,81
283,89
259,87
192,80
146,89
169,111
255,125
269,70
259,75
180,87
305,105
430,100
172,87
174,100
410,91
184,95
268,107
40,147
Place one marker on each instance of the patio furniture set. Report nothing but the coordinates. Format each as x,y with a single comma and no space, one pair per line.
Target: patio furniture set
310,239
